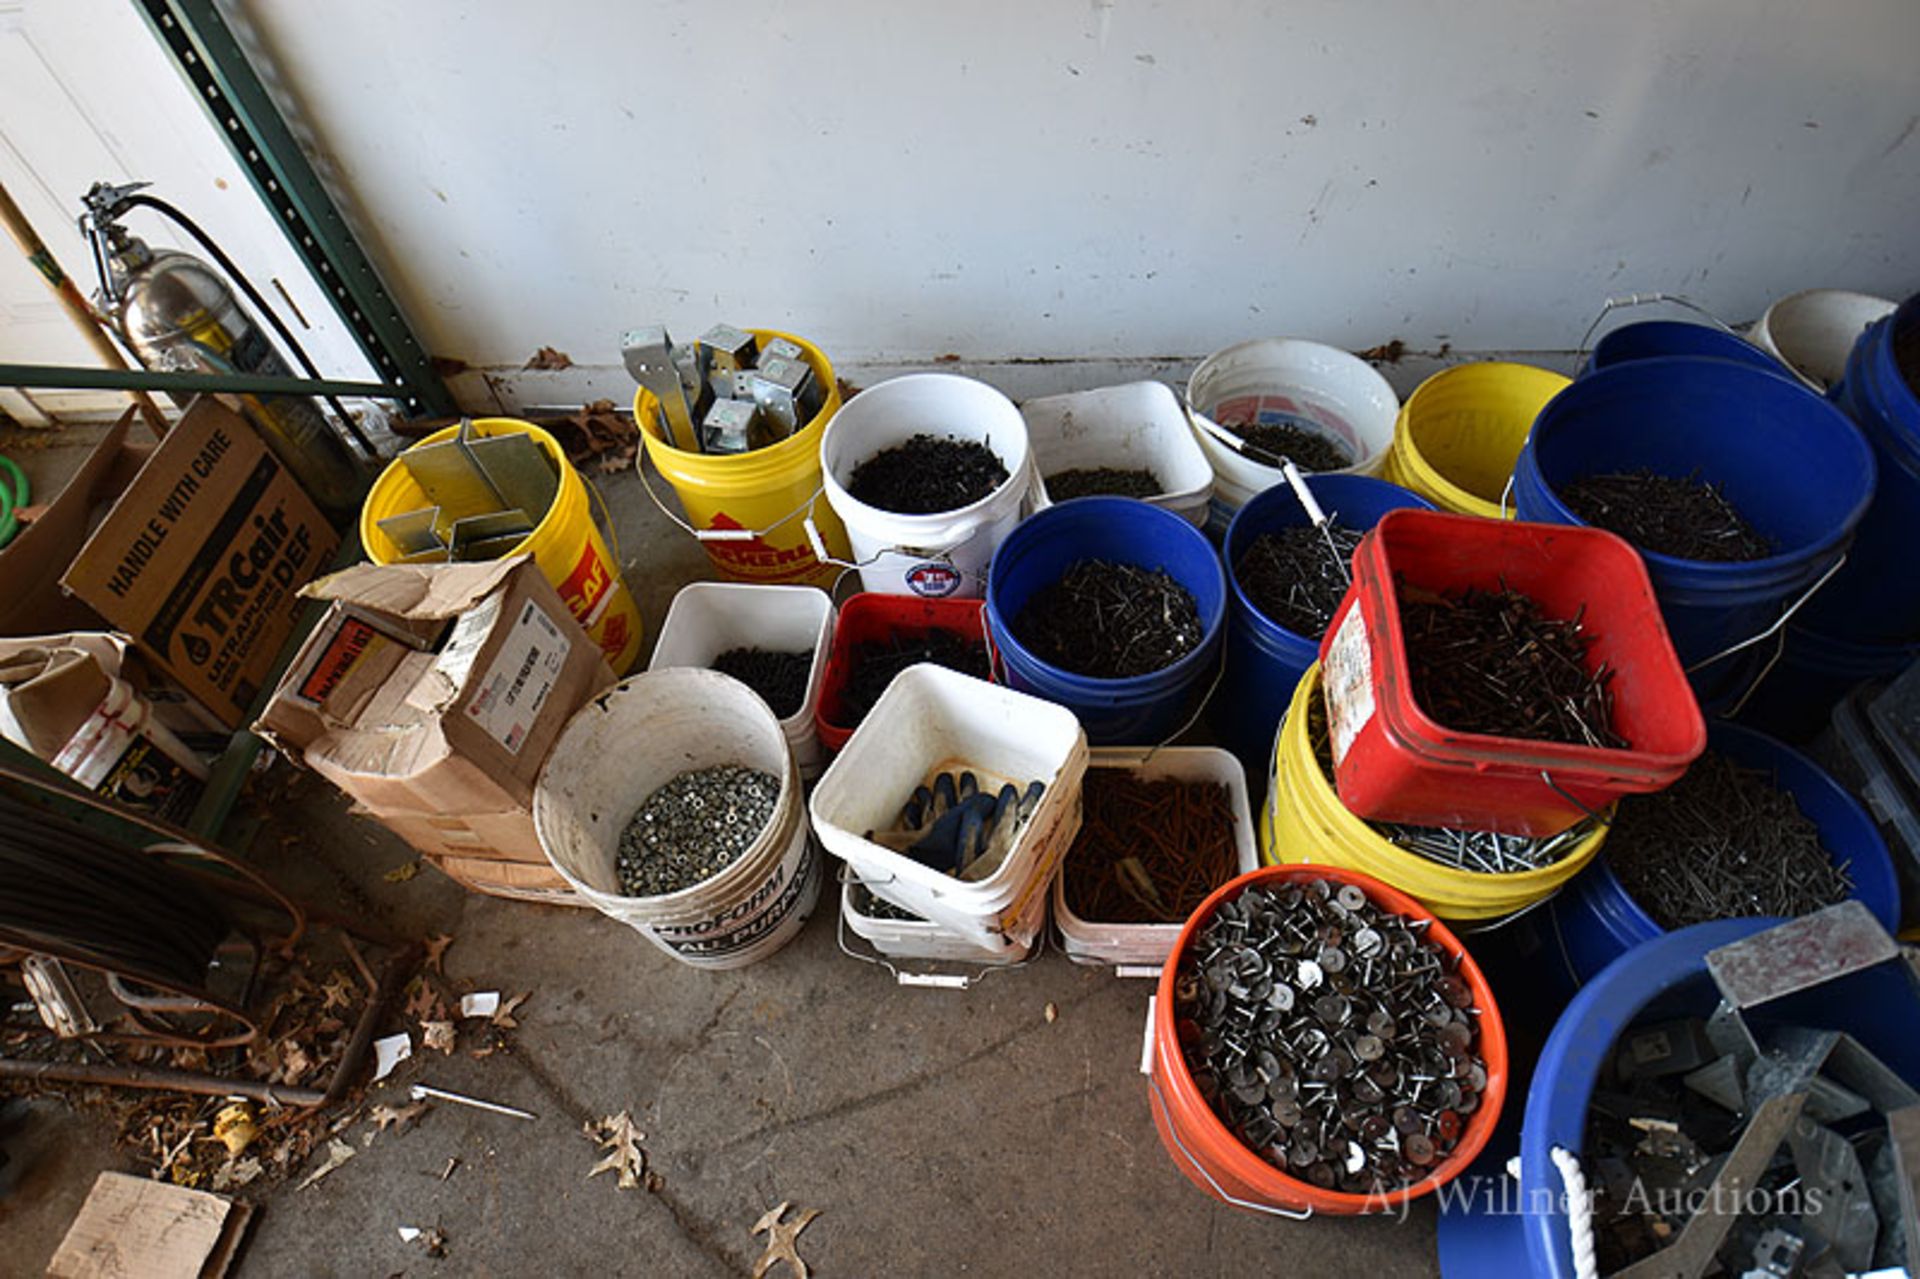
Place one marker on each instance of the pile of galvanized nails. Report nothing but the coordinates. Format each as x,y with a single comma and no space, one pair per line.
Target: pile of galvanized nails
1330,1035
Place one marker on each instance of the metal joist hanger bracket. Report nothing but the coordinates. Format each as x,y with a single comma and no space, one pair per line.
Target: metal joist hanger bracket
207,54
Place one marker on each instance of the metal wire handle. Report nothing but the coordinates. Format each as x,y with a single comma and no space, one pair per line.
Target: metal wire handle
1581,353
1160,1104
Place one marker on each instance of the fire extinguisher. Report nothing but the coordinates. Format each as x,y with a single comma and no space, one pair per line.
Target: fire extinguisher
176,313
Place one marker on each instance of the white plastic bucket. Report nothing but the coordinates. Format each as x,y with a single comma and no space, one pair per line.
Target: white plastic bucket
1812,332
931,555
916,938
1129,427
1289,382
627,743
1146,946
932,719
707,619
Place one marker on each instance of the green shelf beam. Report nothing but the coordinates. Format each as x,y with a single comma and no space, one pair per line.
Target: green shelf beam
78,379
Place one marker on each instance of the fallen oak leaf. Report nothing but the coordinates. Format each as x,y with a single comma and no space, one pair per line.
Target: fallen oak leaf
386,1116
503,1015
401,874
783,1239
616,1135
550,359
436,951
338,1152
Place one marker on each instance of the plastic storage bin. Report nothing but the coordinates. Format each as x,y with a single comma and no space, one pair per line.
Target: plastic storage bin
867,618
1139,424
1148,945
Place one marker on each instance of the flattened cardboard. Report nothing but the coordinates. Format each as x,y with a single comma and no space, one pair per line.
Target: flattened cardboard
137,1226
521,881
200,558
434,693
31,599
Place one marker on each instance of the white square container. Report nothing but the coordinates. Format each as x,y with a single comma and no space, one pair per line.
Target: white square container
1127,427
916,938
707,619
1146,946
931,719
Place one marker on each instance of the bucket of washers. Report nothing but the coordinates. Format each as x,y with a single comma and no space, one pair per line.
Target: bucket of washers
627,744
1351,1052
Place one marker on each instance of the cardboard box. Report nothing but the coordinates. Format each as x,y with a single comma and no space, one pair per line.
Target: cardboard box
432,694
517,880
31,599
201,556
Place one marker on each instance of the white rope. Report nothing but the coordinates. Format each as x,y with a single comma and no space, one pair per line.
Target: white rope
1579,1212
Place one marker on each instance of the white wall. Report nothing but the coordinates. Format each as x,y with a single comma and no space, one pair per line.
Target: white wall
900,179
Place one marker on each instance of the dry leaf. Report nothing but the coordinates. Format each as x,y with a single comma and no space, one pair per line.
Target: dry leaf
437,1034
503,1015
401,874
616,1135
437,950
424,1003
550,359
783,1238
338,1152
236,1173
1051,1012
234,1128
386,1116
338,992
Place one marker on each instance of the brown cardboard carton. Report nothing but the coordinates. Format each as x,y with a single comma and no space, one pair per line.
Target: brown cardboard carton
31,599
200,558
433,694
521,881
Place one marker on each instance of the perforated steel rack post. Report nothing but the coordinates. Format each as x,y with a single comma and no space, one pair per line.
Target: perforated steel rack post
211,59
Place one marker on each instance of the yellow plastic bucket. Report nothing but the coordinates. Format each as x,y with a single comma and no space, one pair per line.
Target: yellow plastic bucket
1460,433
565,543
1304,821
769,492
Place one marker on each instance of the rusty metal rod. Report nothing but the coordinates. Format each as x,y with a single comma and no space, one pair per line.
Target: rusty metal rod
187,1081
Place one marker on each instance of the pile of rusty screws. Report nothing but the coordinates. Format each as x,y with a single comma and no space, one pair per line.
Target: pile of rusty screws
1331,1036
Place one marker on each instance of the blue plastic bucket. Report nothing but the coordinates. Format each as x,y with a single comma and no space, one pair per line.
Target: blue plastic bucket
1658,339
1594,920
1815,672
1493,1224
1142,710
1265,659
1794,466
1872,599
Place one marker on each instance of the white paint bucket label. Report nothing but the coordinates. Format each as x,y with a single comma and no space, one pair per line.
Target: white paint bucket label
1347,683
747,922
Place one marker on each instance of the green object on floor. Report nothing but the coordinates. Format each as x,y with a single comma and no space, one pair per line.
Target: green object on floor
11,498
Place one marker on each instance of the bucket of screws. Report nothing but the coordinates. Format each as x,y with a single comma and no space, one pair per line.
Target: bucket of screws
955,801
773,639
1262,403
1287,577
1118,441
1741,489
878,636
671,802
1502,676
1114,609
929,472
1159,831
1754,828
1322,1044
1458,874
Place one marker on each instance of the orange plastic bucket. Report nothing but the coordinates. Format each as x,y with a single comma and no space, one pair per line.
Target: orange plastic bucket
1217,1161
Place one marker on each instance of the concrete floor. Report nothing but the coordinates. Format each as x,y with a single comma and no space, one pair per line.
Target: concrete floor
937,1131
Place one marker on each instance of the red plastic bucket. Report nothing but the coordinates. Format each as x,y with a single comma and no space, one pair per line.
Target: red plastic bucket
870,617
1217,1161
1392,763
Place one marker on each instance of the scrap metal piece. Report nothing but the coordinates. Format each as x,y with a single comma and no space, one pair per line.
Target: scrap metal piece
419,1092
452,477
1800,954
1729,1033
55,997
779,388
1853,1065
782,348
1692,1252
1776,1255
729,349
1794,1056
648,355
1903,1134
1719,1082
517,469
486,537
415,532
1840,1215
1883,1184
732,426
1665,1048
